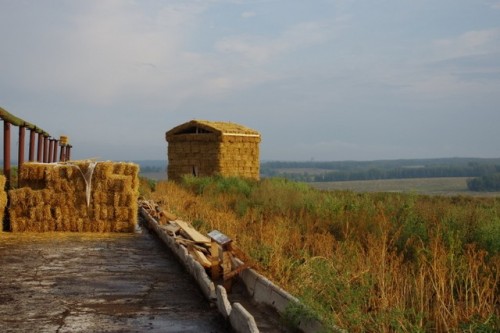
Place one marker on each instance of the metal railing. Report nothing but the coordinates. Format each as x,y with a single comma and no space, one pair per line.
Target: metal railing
46,145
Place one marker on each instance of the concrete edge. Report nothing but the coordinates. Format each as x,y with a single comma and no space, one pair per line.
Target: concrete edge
223,303
264,291
240,319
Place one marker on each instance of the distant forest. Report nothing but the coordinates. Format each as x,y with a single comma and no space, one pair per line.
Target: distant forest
148,166
484,171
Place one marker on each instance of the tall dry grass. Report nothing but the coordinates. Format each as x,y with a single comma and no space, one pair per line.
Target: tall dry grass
365,262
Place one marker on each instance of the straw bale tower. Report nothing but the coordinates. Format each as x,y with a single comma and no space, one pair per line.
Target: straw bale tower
204,148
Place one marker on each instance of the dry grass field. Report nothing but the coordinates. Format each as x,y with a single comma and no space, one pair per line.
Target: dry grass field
367,262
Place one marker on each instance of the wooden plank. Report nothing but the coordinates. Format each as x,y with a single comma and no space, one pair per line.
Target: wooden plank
201,258
190,243
172,229
166,217
192,232
183,241
226,263
235,272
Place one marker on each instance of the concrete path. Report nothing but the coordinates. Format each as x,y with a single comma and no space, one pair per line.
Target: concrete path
72,282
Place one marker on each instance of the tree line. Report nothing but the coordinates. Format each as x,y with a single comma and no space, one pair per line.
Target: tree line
485,183
483,170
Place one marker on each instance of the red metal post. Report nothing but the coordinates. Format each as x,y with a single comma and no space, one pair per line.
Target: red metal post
54,157
6,153
32,145
45,149
62,157
51,150
68,152
39,156
20,155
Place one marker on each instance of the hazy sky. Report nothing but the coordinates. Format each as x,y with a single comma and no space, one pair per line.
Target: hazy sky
320,79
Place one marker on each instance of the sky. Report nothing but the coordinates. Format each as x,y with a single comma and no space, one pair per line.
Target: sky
324,80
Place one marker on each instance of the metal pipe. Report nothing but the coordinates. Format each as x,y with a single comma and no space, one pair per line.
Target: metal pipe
51,150
32,145
62,157
68,152
54,157
6,153
20,155
39,156
45,149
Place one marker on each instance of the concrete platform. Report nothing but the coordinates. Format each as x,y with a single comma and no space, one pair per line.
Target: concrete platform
73,282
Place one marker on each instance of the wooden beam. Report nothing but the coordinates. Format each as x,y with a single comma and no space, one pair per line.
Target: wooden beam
192,232
16,121
201,258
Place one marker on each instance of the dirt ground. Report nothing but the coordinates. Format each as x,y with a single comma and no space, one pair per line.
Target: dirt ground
74,282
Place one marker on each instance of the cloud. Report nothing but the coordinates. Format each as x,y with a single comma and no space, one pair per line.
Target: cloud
455,67
248,14
262,49
469,43
110,51
117,51
110,40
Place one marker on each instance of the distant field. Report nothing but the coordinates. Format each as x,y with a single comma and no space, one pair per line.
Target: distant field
161,175
436,186
311,171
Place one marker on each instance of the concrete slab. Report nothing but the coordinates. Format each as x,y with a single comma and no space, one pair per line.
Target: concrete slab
74,282
223,302
241,320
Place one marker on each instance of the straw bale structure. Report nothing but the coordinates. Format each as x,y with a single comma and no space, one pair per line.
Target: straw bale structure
3,200
80,196
204,148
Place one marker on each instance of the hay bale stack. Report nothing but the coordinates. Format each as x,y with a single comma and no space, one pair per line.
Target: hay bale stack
3,200
204,148
239,156
55,197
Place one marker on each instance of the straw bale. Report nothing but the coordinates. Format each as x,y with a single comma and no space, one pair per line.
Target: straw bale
127,200
106,213
3,199
119,168
121,214
103,170
131,169
33,171
122,226
118,183
54,197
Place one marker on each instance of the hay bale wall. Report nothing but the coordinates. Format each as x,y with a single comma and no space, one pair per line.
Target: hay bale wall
54,198
205,148
3,200
193,153
239,156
